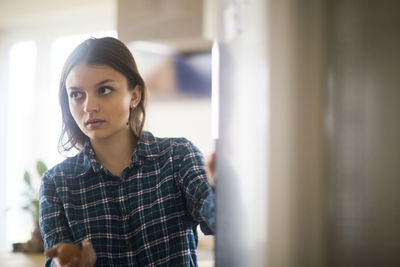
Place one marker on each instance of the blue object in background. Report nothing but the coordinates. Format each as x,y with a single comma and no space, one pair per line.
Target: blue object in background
193,73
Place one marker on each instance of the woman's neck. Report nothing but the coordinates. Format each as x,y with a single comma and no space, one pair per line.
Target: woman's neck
115,154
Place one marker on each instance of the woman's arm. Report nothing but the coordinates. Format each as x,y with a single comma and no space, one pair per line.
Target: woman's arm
53,222
55,230
197,190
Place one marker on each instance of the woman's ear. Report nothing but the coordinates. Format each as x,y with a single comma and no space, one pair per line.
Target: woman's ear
136,95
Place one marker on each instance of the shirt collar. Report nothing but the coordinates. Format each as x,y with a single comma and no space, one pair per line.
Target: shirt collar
147,148
89,158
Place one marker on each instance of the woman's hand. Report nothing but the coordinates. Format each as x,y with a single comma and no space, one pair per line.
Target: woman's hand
64,256
211,169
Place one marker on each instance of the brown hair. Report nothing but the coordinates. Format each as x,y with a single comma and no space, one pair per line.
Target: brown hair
103,51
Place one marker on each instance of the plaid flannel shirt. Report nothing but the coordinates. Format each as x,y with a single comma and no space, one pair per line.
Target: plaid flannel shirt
148,216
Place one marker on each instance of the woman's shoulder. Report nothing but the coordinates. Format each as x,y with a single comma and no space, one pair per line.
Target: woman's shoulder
167,143
171,146
150,138
71,166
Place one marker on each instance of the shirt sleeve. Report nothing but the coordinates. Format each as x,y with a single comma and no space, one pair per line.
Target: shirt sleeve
197,191
53,222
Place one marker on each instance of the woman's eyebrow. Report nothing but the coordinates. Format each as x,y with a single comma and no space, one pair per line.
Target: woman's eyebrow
73,88
97,84
103,82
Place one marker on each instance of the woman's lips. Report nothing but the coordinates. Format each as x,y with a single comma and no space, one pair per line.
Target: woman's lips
94,123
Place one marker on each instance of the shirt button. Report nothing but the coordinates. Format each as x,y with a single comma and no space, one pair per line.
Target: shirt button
119,182
123,213
129,245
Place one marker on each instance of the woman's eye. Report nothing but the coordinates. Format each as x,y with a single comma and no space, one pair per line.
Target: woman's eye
75,95
105,90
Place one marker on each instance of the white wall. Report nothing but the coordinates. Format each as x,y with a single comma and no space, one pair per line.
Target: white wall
190,118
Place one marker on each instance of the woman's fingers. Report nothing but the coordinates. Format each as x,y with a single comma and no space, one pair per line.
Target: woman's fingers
88,255
211,169
52,253
74,262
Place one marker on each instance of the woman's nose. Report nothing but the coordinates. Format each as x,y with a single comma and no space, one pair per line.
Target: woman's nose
91,104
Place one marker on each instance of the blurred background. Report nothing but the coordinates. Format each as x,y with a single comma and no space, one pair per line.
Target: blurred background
300,100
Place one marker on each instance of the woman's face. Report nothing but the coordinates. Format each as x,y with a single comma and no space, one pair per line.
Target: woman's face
99,100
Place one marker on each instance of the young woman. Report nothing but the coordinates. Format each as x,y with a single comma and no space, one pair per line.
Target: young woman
128,198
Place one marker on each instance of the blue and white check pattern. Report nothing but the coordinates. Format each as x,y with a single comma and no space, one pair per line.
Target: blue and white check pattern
145,217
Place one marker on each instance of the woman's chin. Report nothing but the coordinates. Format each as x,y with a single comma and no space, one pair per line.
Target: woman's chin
97,135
